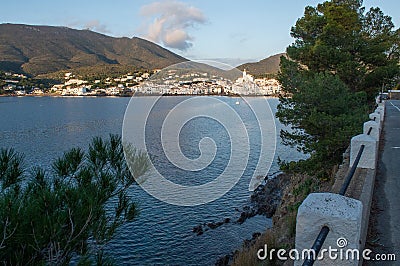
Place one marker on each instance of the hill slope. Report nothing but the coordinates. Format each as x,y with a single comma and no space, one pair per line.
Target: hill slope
45,49
269,65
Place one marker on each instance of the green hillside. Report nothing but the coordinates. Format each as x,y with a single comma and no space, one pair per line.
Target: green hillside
45,49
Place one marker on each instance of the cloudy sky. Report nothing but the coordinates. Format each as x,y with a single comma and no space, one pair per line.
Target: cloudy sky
230,30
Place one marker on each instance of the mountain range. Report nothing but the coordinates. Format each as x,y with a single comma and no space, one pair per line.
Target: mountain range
45,49
37,50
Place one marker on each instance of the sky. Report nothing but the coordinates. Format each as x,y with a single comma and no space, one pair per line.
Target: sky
229,31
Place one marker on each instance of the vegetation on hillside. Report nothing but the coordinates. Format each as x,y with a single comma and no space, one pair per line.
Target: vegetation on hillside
340,59
22,82
45,49
267,67
71,212
93,73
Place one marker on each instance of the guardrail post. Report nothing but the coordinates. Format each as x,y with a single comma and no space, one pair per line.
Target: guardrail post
376,117
375,131
381,110
341,214
369,156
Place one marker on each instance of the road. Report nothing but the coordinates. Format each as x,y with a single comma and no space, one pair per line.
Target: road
385,215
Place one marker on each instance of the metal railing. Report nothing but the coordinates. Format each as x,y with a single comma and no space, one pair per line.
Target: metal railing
319,241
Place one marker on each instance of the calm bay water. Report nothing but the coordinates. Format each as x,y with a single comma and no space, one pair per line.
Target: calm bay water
44,127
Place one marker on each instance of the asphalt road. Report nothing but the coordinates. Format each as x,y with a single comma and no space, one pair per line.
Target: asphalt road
386,211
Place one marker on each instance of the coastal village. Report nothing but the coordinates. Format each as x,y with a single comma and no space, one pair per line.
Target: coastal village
171,83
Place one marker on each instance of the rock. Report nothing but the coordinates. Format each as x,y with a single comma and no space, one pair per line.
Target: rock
245,215
256,235
225,260
212,225
242,218
201,228
265,199
198,229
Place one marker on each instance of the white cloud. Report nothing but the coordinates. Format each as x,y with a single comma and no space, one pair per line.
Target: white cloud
171,23
177,38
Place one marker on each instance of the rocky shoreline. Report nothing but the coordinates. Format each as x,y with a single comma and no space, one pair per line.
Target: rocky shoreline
266,198
264,201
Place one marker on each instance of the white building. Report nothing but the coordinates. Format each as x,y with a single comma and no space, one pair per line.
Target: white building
268,86
79,91
245,85
37,91
246,78
113,91
20,92
75,81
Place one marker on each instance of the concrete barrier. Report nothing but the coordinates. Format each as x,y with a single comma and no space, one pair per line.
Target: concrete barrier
321,209
370,154
375,131
346,217
376,117
366,200
381,111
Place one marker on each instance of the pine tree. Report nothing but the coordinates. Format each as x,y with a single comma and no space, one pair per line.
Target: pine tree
72,211
340,58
